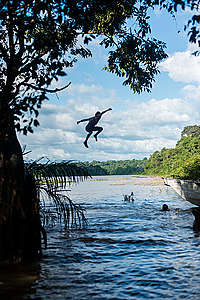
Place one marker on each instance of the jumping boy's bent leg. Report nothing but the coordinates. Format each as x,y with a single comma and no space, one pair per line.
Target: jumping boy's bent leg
98,129
85,143
87,137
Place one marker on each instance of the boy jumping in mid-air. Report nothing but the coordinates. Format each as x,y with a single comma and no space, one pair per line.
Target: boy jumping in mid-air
91,126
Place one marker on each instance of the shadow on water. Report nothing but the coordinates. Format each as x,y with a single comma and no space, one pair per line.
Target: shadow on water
130,250
16,280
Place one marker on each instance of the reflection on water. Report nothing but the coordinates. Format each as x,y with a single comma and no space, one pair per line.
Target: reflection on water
16,280
130,250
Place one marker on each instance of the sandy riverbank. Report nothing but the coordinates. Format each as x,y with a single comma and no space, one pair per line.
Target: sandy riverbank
139,180
149,181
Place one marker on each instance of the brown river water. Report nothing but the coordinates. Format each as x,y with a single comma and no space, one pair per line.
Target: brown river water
129,250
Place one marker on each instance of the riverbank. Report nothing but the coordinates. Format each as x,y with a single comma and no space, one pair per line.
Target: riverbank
127,179
149,180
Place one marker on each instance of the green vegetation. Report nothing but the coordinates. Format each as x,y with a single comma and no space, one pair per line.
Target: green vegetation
39,42
114,167
183,161
52,181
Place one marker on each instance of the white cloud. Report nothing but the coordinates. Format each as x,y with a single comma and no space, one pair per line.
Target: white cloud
136,131
183,67
85,89
192,92
133,129
152,120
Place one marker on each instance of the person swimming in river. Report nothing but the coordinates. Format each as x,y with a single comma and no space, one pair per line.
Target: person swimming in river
91,126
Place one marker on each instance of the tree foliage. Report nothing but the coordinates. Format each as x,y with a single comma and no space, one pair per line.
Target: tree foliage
191,131
192,26
183,161
53,180
115,167
40,40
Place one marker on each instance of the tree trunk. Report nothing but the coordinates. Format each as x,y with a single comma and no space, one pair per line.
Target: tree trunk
19,205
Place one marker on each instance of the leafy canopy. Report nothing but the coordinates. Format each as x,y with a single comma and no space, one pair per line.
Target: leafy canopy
115,167
183,161
39,40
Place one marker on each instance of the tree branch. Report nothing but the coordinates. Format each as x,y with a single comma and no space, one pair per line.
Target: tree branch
4,53
45,90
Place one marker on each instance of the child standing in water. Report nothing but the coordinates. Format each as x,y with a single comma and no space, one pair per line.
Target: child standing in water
91,126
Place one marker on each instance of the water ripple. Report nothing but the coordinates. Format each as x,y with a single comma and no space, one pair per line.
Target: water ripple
129,250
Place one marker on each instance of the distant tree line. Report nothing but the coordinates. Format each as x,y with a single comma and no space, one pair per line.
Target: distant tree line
182,162
115,167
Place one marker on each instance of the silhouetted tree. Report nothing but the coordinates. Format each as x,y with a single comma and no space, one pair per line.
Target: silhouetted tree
39,40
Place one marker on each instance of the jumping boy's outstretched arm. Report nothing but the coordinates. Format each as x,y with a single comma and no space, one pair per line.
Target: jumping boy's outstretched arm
104,111
83,120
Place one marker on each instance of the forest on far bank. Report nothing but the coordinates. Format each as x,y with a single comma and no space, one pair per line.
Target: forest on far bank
115,167
182,162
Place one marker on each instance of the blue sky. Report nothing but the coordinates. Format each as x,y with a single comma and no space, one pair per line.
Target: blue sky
138,125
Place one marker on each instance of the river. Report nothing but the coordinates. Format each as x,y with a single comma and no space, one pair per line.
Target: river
129,250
